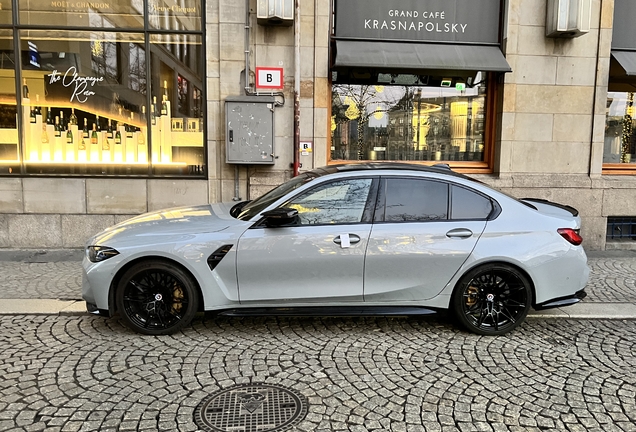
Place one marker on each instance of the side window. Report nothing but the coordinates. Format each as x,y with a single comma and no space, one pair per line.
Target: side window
338,202
467,204
415,200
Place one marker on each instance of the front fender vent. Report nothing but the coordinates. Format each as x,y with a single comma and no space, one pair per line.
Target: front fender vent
218,255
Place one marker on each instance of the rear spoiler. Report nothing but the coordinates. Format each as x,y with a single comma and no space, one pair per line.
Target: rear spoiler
568,208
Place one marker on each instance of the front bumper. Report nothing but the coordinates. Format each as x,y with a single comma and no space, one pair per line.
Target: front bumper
562,301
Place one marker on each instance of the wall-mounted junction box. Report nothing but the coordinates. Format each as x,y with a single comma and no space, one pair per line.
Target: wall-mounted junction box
249,131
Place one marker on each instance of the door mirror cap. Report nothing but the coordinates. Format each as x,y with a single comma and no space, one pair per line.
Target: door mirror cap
280,216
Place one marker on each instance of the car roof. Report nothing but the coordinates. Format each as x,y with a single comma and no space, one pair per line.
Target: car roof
443,169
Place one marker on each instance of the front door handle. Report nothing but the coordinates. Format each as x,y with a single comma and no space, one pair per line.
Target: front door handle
459,233
346,240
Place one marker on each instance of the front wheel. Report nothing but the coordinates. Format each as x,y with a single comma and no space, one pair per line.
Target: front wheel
492,299
155,298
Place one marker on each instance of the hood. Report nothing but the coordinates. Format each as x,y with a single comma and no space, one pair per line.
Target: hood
173,223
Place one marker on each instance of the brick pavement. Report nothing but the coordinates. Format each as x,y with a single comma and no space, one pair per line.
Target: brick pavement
87,373
612,279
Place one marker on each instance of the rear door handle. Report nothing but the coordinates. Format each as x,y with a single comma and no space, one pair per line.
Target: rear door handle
459,233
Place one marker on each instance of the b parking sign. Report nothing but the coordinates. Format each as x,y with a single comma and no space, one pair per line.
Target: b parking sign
269,78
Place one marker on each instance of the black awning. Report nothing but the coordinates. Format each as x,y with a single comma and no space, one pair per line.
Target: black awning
392,55
627,60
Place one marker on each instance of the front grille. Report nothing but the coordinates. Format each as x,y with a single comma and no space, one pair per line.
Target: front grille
621,228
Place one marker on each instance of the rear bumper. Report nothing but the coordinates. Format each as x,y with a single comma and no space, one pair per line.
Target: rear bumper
562,301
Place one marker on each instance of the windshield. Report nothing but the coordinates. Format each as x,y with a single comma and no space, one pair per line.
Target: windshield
253,208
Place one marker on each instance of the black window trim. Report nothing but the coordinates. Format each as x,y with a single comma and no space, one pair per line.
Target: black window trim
380,207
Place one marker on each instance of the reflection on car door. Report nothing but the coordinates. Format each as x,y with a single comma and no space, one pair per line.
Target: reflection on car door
322,256
416,246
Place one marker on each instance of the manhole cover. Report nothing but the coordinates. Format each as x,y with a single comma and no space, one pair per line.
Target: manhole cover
251,408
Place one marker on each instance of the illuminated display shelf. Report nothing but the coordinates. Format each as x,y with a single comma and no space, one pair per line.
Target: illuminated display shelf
132,150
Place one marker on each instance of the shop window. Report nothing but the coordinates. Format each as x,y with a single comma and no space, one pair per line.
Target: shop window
87,104
173,98
407,118
620,131
184,15
6,13
94,13
9,142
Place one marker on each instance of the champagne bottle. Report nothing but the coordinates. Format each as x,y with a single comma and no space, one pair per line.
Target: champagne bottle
153,111
38,108
32,114
45,136
62,124
25,89
58,128
164,106
69,136
117,135
129,127
85,130
98,123
73,119
94,134
109,131
49,116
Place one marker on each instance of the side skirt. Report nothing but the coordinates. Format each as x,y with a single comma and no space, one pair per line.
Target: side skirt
330,311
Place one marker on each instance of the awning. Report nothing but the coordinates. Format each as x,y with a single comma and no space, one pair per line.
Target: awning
392,55
627,60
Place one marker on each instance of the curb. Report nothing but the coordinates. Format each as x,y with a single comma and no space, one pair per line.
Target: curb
582,310
42,307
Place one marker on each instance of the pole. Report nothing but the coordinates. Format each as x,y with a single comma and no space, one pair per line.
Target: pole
296,164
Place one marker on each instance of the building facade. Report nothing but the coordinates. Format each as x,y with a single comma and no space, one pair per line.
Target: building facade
113,108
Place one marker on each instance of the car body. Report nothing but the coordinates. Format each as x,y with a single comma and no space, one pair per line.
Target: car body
347,239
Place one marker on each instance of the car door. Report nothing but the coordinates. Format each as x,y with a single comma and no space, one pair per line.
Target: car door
321,256
416,244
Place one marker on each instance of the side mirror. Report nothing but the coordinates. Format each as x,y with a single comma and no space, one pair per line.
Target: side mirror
280,216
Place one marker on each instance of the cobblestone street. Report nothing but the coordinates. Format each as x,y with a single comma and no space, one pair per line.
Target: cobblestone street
71,373
612,279
89,373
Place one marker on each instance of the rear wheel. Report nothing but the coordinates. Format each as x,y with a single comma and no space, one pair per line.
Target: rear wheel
492,299
156,297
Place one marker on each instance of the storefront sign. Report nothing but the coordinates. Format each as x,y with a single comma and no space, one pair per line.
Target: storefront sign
80,86
474,21
624,33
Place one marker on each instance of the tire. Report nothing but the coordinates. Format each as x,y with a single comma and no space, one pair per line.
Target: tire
155,297
492,299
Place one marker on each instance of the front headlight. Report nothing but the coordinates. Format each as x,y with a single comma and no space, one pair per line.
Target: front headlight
100,253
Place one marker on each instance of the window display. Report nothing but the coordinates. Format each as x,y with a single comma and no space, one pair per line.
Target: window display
100,101
620,129
408,118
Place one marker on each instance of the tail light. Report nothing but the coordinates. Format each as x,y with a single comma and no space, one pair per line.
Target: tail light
571,235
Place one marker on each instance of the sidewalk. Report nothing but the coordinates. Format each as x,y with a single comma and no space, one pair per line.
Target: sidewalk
49,282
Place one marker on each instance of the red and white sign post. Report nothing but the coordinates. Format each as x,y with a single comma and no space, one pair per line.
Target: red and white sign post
269,78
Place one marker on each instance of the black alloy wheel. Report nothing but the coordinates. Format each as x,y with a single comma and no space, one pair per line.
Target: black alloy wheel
155,297
492,299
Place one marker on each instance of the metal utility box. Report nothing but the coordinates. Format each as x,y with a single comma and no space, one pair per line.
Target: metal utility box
275,12
249,131
568,18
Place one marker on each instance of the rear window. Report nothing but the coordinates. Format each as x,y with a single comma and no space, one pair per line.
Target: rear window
467,204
